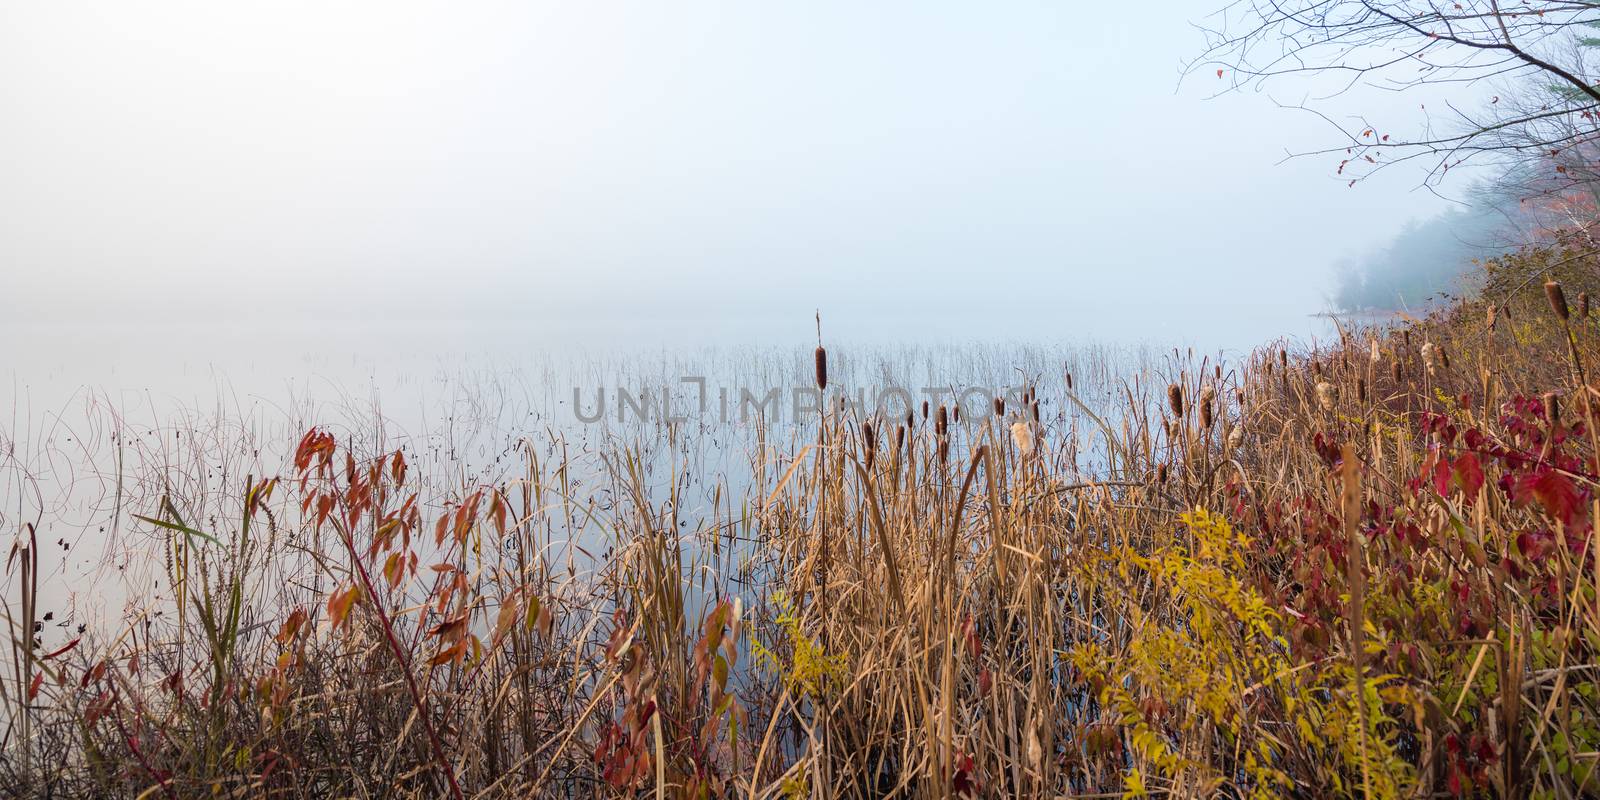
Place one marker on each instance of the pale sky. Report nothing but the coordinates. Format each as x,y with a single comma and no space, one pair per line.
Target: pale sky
913,170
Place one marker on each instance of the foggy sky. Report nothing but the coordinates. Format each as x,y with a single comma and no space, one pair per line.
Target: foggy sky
913,170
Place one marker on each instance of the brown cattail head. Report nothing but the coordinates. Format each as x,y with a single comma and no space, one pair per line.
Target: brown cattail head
1493,314
1238,399
1583,305
955,413
1406,335
1035,408
1558,300
999,406
1218,372
1069,381
1316,368
1444,357
1283,358
944,451
871,442
822,369
1361,389
1022,437
1175,399
924,409
941,421
1161,473
1552,409
899,437
911,420
1208,402
1394,372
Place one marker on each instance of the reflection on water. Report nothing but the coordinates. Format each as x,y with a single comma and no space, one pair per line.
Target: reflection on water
105,422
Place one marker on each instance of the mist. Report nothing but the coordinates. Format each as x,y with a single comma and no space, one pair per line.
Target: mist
698,171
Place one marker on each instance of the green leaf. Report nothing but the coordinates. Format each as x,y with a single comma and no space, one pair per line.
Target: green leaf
183,529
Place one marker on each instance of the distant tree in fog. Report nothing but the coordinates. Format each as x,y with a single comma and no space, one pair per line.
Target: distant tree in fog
1522,98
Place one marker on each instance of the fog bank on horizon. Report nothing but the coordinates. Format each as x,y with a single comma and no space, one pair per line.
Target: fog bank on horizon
1021,170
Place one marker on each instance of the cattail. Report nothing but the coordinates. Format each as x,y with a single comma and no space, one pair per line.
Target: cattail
1428,356
955,413
1022,436
1069,381
1327,395
999,406
1238,399
822,369
1208,398
1218,372
941,421
1376,355
1035,409
1444,358
1316,368
1361,389
1161,473
1175,399
1558,300
1552,409
1583,305
1236,437
1394,372
899,437
867,434
944,451
1283,358
1492,314
924,409
1406,335
911,420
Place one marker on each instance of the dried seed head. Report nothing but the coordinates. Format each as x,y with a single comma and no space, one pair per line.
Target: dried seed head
1361,389
1552,409
944,451
899,437
1406,335
1394,372
924,409
1161,473
1283,358
1022,436
1208,400
1175,399
1327,395
1218,372
1236,437
1493,313
1444,358
1558,300
941,421
868,437
1238,399
1316,368
1583,305
1376,355
999,406
1428,360
955,413
911,420
1069,381
822,369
